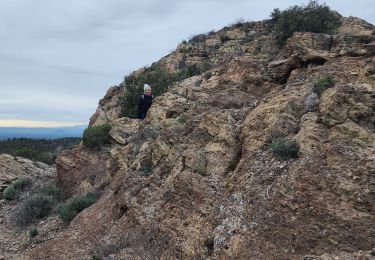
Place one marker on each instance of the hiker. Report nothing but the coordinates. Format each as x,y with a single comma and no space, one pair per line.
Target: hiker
145,102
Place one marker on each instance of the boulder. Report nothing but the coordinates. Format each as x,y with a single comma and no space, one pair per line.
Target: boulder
310,47
123,128
109,108
281,69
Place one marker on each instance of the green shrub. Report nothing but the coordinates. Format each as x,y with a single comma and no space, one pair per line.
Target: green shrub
284,148
202,169
12,191
37,149
223,37
33,232
205,66
75,205
192,70
96,136
323,84
182,119
22,183
212,32
46,157
9,193
34,208
53,191
240,22
198,38
310,18
33,154
26,152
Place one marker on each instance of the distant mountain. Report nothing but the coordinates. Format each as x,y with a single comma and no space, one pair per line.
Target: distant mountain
47,133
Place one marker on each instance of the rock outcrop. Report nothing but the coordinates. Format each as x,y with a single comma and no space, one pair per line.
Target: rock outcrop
197,178
87,169
109,108
12,168
13,243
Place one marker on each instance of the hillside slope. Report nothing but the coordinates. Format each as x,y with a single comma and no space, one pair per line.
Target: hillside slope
13,241
197,179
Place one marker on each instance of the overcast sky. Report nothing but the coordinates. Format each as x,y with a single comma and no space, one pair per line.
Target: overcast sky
58,58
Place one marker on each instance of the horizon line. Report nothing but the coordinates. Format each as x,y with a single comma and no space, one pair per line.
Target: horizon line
37,124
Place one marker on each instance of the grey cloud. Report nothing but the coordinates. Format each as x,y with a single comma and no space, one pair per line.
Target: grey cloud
30,62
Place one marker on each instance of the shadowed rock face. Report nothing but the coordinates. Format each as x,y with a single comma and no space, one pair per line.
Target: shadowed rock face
197,178
85,168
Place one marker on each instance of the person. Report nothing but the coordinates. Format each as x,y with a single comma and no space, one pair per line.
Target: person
145,102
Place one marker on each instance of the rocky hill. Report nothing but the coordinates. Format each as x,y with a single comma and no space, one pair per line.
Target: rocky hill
198,179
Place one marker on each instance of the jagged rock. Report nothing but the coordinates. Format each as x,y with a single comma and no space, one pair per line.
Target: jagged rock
213,42
195,60
281,69
264,46
355,26
318,48
173,61
354,34
123,128
349,102
235,34
81,170
311,47
109,107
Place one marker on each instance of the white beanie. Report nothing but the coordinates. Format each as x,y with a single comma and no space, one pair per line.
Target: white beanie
146,87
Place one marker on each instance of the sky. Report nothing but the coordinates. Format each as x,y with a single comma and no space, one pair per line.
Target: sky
58,58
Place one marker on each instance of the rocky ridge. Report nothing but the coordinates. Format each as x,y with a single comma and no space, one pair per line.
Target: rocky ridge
197,179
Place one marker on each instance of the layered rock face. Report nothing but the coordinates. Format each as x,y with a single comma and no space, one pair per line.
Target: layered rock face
12,168
197,179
